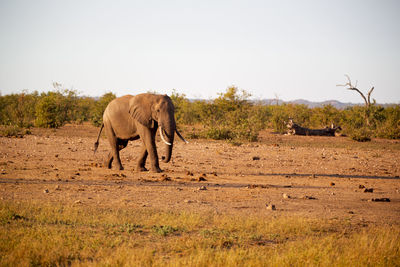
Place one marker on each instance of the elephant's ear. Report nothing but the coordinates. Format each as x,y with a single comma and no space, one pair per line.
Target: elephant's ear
140,110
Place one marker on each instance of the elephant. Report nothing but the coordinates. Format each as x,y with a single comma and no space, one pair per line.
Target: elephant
130,118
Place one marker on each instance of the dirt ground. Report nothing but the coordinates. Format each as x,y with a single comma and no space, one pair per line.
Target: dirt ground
319,177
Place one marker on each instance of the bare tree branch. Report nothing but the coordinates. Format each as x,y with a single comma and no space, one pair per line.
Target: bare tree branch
369,95
354,88
362,95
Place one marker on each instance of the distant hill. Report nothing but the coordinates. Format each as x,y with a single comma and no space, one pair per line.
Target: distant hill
310,104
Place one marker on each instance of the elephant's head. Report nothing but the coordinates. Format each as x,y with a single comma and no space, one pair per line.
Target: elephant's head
156,110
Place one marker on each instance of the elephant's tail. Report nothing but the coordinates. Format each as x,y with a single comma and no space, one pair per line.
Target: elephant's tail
96,145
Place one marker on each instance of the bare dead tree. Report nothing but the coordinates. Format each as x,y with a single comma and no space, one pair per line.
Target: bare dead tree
367,99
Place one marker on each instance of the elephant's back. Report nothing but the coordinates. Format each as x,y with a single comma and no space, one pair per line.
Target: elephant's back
117,116
118,105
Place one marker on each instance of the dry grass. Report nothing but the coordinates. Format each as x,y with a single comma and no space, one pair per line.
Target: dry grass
35,234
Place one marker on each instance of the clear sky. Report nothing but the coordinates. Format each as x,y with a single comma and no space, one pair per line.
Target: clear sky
286,49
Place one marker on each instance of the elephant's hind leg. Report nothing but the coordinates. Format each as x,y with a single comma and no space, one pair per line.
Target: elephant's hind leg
109,160
142,159
115,147
121,145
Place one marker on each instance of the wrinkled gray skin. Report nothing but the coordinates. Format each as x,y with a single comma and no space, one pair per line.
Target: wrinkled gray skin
138,117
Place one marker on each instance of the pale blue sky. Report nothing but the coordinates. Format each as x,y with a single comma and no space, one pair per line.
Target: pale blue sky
289,49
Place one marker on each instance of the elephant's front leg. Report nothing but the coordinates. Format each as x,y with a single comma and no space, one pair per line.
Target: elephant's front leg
149,140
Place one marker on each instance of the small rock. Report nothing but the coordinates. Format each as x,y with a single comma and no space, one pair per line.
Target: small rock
351,212
214,173
368,190
57,187
188,201
46,191
256,158
361,186
308,197
271,207
78,202
202,179
332,184
189,173
202,188
383,199
286,196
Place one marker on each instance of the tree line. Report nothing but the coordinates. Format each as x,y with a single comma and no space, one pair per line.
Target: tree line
231,116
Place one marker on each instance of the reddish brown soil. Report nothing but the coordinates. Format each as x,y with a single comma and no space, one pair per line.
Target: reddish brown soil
321,175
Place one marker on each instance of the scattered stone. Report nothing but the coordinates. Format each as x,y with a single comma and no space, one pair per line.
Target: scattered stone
202,188
332,184
78,202
351,212
270,206
46,191
256,158
166,179
309,197
361,186
77,174
56,155
202,179
179,189
286,196
368,190
383,199
189,173
57,187
252,186
188,201
3,171
214,173
119,175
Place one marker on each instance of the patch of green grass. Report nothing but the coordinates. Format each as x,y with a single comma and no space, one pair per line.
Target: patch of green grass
36,234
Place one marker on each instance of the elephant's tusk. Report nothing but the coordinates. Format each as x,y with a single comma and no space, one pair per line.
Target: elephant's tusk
181,137
162,137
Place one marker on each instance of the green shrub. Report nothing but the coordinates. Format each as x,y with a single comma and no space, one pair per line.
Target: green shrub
13,131
99,107
231,116
361,135
55,108
390,126
18,109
